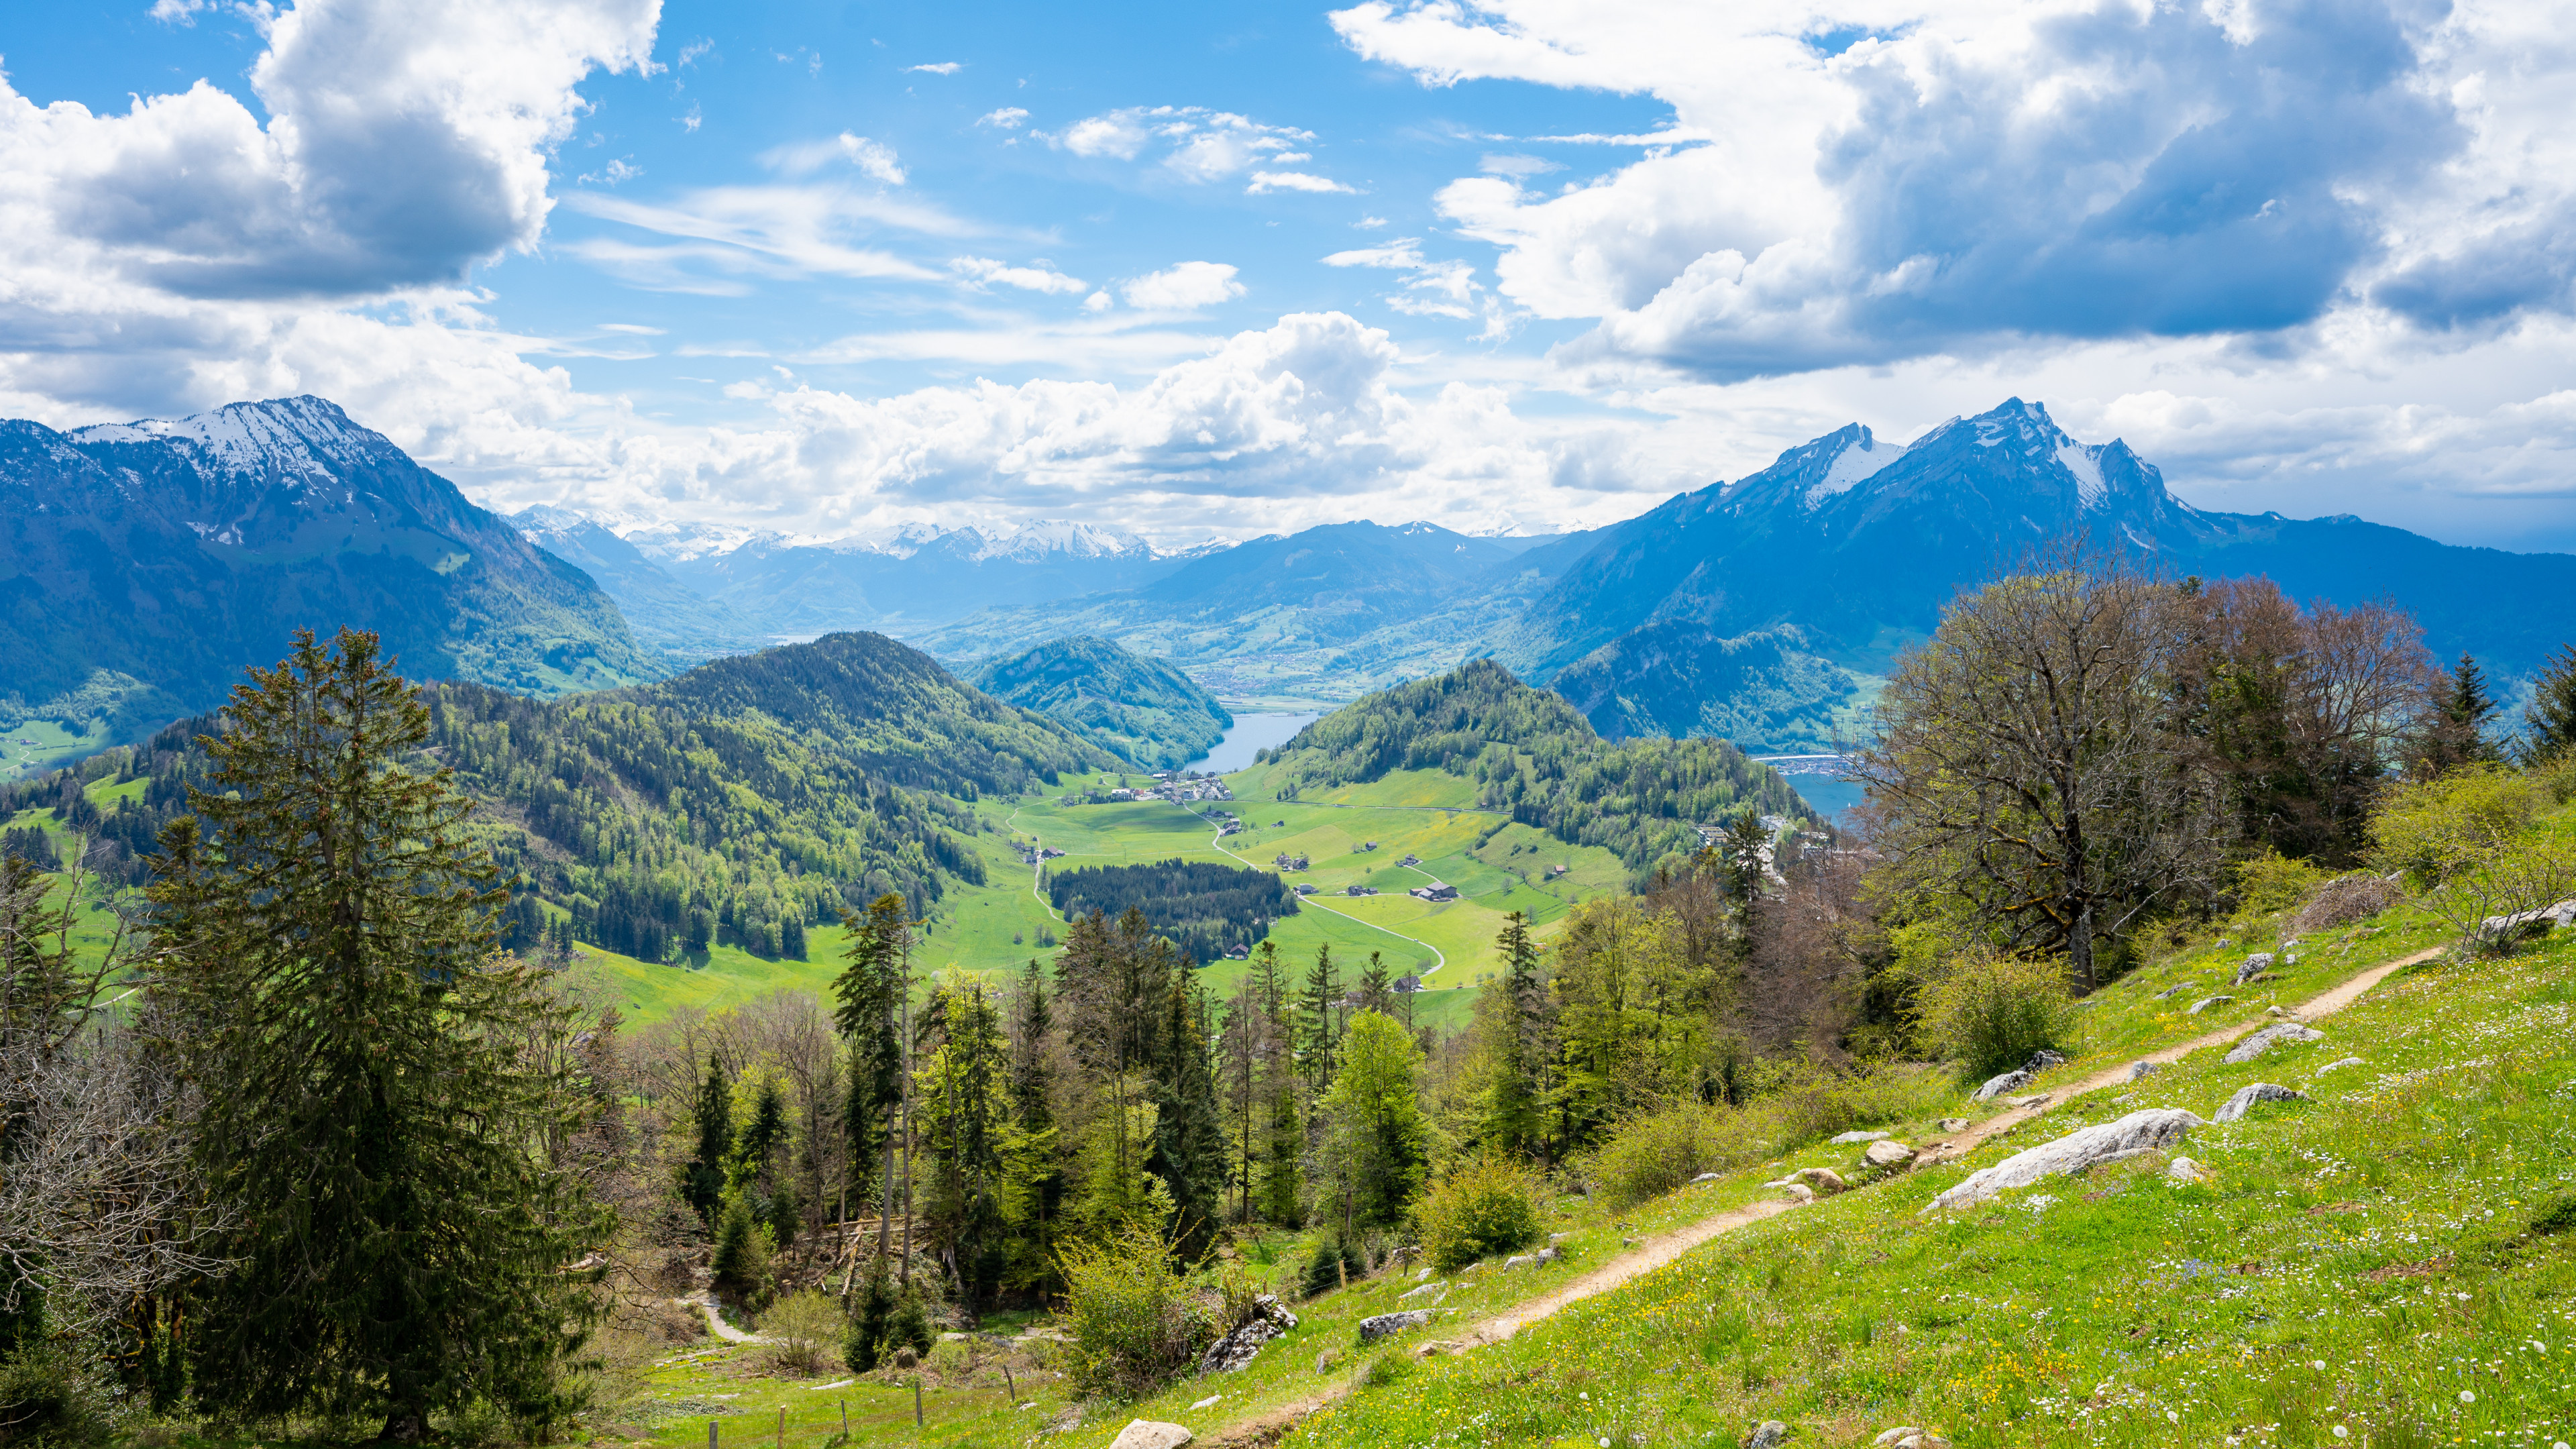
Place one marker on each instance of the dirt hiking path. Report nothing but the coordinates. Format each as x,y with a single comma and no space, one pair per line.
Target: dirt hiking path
1959,1144
1663,1248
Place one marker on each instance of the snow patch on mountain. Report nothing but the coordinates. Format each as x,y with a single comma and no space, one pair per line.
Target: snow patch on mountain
2086,464
1864,459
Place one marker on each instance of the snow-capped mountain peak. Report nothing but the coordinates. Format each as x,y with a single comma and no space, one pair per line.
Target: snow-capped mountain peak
305,439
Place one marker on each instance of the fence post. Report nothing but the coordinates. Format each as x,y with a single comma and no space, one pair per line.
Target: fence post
1009,1385
845,1420
711,1434
916,1401
782,1426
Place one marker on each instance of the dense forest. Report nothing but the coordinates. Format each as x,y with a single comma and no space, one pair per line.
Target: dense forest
1206,908
738,804
1535,755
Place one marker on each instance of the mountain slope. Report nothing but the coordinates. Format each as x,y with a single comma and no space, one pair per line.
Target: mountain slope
664,613
1858,544
1142,709
1762,690
144,565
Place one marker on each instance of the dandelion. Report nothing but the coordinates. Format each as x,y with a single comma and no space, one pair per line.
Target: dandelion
2468,1397
2341,1432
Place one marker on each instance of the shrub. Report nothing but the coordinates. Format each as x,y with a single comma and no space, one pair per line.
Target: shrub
2270,882
743,1248
1483,1208
1334,1261
1655,1152
2470,836
1989,1013
48,1396
909,1325
1133,1324
2344,900
864,1344
802,1326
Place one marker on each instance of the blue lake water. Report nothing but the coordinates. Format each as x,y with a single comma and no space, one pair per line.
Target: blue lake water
1251,732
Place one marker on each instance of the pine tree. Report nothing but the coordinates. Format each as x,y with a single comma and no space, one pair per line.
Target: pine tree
1318,1032
2549,723
1189,1137
324,943
703,1180
871,992
1374,995
1283,1135
2458,735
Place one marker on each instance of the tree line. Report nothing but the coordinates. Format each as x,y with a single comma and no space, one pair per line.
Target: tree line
1206,908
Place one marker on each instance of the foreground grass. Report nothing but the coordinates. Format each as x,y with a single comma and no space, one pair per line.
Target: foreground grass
2366,1261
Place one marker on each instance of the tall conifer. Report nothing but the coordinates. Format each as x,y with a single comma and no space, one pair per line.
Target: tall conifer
325,940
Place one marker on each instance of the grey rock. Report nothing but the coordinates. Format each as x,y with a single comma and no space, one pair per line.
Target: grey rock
1887,1154
2183,1170
1269,1319
1890,1436
2042,1059
2339,1066
1324,1360
2269,1037
1797,1191
1434,1291
2224,942
1822,1179
1996,1086
2206,1002
2255,965
2035,1099
2147,1131
1847,1138
2245,1098
1519,1260
2144,1069
2522,925
1952,1124
2177,989
1704,1177
1146,1434
1766,1435
1386,1324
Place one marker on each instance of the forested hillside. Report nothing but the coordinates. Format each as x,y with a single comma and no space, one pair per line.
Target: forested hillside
740,803
1534,755
1138,707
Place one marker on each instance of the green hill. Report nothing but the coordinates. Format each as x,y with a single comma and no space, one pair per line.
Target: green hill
1533,755
1142,709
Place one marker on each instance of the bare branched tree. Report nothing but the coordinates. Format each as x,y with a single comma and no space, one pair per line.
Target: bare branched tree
2027,770
97,1200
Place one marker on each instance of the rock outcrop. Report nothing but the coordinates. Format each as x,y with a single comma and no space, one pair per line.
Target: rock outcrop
1269,1319
1387,1324
2245,1098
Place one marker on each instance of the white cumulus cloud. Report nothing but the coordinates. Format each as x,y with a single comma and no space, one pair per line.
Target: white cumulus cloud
1035,278
1183,288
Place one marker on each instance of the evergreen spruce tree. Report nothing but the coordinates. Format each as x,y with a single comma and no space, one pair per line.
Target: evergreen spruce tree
703,1179
1033,1100
1189,1134
870,993
1283,1135
2458,735
325,965
1374,995
1318,1032
1509,1105
2549,723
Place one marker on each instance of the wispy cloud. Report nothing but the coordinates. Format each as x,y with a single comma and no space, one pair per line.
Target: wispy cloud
1037,277
1183,288
1198,146
940,67
1266,181
801,158
1008,118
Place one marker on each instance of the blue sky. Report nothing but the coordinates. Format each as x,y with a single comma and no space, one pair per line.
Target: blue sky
1204,270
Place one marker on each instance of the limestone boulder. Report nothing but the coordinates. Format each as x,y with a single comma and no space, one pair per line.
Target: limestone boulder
2151,1130
2255,965
1996,1086
1386,1325
2270,1037
1146,1434
1887,1154
2245,1098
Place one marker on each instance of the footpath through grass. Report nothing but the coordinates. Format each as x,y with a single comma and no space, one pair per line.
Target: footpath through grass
2391,1262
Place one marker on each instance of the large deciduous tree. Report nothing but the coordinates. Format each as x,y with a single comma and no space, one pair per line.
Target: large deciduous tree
2026,768
324,968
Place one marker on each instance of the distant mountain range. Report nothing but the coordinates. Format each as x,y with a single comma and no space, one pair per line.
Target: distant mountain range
151,561
144,565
